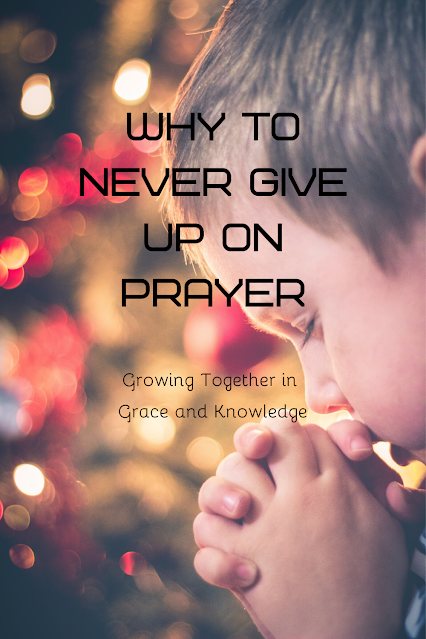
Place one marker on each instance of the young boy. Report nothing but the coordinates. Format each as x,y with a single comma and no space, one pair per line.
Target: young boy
316,556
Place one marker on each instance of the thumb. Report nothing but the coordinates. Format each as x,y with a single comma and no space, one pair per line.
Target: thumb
352,437
406,504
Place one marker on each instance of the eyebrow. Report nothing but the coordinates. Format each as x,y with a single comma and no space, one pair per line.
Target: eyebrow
262,320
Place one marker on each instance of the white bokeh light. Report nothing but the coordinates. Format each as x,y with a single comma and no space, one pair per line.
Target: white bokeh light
36,96
132,80
29,479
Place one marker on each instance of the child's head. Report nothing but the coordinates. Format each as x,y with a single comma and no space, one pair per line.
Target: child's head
352,70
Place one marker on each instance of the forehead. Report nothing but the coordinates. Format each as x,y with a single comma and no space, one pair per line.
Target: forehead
264,242
338,273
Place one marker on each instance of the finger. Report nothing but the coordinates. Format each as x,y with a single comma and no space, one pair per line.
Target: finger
254,441
352,437
327,454
225,570
251,476
376,475
407,504
292,458
216,532
400,455
220,497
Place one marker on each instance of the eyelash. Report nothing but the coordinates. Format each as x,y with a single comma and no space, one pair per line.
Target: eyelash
307,333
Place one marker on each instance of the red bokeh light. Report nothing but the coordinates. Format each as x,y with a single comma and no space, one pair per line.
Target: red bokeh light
68,148
132,563
108,145
220,337
30,237
33,181
146,146
14,278
63,185
39,263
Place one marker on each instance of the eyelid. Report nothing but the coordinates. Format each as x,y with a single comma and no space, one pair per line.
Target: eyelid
308,332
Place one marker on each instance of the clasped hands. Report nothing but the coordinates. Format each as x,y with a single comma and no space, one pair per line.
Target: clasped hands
311,549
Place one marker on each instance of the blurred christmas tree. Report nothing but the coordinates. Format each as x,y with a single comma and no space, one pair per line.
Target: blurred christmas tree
97,510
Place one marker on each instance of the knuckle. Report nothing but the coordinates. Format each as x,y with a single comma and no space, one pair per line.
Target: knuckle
315,429
219,573
209,566
207,489
242,431
229,466
198,527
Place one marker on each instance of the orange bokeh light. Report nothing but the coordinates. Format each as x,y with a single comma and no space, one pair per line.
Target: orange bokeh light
3,272
25,207
108,145
33,181
22,556
14,252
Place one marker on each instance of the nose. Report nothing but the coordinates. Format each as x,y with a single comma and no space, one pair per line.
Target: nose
323,393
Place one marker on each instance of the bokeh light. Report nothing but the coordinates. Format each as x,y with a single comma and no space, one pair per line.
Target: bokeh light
146,146
219,337
25,207
37,99
22,556
77,221
14,252
132,563
15,277
17,517
183,9
108,145
29,236
3,272
155,433
29,479
132,81
204,453
24,421
68,148
37,46
39,263
33,181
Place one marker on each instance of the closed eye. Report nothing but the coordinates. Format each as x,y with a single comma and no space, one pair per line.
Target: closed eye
307,333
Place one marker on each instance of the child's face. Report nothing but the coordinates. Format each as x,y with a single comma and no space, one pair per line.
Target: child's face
366,351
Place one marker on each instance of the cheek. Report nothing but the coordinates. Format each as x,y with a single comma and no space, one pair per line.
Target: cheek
385,387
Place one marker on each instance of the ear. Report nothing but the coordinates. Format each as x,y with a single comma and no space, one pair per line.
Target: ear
418,163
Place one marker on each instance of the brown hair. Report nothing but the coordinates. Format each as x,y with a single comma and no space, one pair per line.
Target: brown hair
353,72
